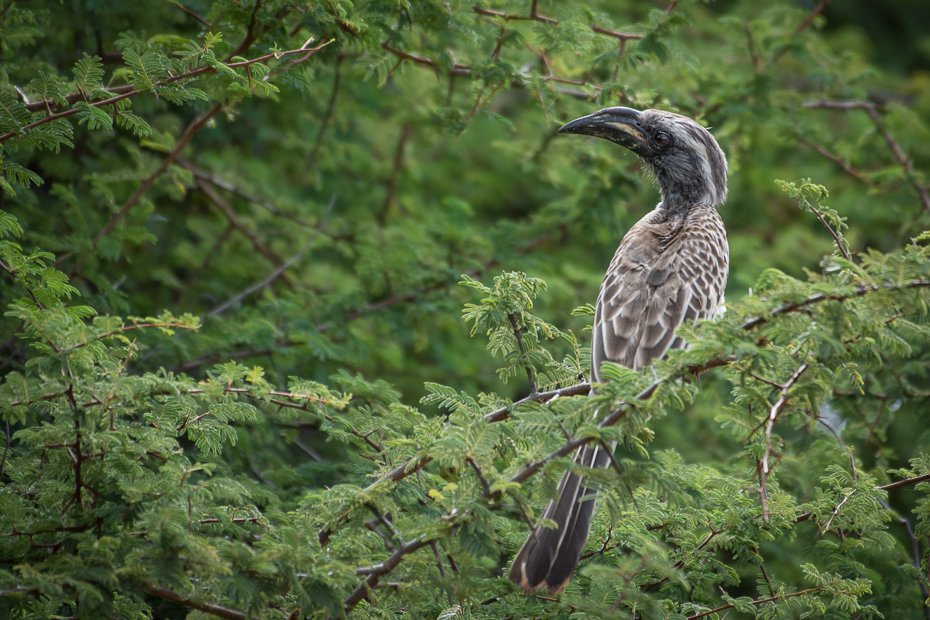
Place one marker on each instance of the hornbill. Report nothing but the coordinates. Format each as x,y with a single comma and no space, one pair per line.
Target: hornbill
670,267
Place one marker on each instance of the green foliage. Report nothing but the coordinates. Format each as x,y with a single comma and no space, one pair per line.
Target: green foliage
238,380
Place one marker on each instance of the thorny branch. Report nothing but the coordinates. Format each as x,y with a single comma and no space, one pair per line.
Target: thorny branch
758,602
234,221
330,108
836,158
192,129
391,185
774,412
518,334
259,285
374,573
923,190
133,92
413,465
210,608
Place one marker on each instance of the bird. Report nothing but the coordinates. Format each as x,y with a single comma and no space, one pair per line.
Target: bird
670,267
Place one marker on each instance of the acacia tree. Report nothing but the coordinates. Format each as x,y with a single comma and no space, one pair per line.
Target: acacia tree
237,239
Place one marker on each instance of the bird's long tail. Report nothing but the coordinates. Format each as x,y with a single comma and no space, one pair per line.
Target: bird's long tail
549,556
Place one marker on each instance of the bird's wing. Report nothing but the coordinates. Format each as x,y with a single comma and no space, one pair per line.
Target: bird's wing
664,272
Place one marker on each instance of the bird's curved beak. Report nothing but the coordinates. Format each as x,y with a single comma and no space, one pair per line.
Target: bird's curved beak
620,125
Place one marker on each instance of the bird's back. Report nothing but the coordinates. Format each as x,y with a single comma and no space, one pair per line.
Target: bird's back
665,271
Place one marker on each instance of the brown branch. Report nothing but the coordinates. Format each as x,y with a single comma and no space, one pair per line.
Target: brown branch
46,104
835,158
125,94
208,258
234,355
533,16
192,129
887,487
758,602
904,483
819,297
210,608
330,108
234,221
190,12
122,330
923,191
379,570
774,412
817,10
279,272
459,69
405,133
249,34
836,237
523,354
623,36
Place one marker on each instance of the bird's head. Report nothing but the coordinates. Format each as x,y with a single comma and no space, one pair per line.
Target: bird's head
689,165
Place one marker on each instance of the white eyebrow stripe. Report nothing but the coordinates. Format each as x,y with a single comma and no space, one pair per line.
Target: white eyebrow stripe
685,134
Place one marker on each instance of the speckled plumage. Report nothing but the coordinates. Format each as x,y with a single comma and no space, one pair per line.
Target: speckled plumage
670,267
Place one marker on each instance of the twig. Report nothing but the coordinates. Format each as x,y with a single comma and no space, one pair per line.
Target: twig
5,450
249,33
623,36
192,129
259,285
836,237
379,570
207,260
817,10
533,16
835,158
526,358
774,412
887,487
190,12
915,554
405,133
904,483
210,608
923,191
238,225
234,355
820,297
330,107
442,571
233,189
758,602
125,94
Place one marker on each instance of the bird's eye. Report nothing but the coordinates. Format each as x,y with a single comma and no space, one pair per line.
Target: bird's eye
660,138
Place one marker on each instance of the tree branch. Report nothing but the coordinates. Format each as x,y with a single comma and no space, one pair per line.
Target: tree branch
192,129
405,133
132,92
330,107
259,285
774,412
234,221
835,158
210,608
923,191
379,570
758,602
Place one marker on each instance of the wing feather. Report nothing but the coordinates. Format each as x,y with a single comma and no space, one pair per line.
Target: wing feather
665,272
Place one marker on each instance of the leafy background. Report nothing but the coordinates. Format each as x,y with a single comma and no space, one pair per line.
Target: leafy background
318,222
